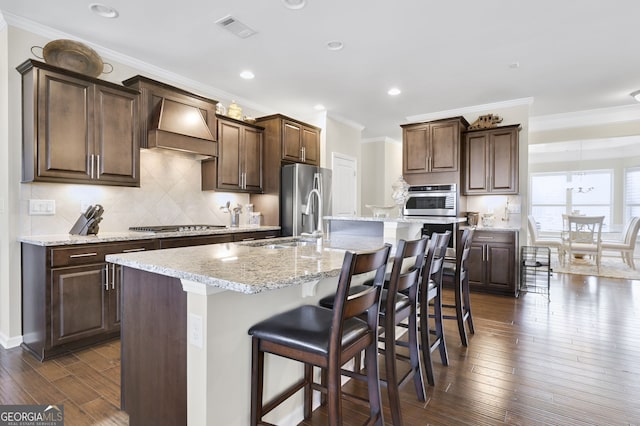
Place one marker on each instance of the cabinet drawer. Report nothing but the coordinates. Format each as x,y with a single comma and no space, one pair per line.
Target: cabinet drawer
494,237
258,235
194,241
95,253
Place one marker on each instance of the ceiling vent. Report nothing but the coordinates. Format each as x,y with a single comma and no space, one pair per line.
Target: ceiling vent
236,27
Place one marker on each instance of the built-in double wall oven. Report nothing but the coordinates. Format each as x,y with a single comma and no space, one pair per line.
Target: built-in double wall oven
438,204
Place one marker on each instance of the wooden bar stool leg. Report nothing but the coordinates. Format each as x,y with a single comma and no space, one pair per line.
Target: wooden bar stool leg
308,391
373,383
390,367
460,314
439,327
257,382
425,343
467,311
414,356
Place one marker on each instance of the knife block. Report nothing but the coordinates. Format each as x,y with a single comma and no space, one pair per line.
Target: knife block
84,226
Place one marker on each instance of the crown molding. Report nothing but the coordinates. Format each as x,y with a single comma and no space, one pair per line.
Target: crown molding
345,121
384,139
469,110
157,72
586,118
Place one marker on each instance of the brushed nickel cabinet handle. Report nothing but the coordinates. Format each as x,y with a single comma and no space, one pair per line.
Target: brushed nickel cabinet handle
73,256
91,164
113,276
106,277
133,250
98,166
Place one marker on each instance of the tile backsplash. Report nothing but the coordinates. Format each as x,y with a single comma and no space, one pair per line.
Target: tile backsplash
169,193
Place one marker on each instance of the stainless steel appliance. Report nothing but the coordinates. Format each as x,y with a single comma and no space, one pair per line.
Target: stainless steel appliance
175,228
305,197
432,200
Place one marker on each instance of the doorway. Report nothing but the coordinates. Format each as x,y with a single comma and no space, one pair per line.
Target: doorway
344,186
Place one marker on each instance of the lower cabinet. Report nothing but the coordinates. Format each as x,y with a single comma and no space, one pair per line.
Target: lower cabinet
71,296
493,262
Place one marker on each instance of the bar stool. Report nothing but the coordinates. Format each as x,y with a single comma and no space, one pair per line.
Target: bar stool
399,303
431,293
325,338
460,278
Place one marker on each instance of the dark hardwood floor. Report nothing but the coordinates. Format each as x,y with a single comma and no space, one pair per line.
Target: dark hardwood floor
572,361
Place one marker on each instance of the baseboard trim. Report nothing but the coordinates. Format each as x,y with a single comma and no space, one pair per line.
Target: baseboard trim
10,342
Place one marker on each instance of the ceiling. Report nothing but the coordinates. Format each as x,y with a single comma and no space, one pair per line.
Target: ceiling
569,55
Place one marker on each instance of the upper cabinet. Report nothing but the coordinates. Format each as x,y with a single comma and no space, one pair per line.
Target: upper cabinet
491,161
298,142
77,129
431,147
239,163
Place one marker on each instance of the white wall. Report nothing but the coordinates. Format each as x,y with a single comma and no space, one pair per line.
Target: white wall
343,137
382,165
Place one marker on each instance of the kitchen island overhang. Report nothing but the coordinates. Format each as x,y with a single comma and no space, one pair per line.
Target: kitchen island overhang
207,297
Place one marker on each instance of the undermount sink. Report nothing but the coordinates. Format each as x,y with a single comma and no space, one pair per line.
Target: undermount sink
283,244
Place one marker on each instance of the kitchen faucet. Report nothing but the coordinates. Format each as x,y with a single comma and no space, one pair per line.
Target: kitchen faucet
318,231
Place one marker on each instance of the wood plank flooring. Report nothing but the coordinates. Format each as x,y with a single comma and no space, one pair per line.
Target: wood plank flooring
572,361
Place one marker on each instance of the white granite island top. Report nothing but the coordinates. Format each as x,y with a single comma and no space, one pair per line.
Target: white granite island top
250,267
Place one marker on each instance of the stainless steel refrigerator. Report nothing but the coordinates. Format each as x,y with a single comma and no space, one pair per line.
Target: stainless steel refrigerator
305,197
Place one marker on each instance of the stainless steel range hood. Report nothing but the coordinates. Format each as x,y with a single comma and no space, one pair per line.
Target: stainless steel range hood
180,127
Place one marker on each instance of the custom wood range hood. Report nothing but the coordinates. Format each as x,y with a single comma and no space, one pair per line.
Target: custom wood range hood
174,119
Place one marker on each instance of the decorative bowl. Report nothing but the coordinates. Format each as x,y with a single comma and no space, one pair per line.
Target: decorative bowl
380,211
74,56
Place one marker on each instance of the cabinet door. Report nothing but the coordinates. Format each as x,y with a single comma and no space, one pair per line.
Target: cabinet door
229,135
64,138
116,138
78,308
501,267
444,156
503,155
476,264
311,145
291,141
415,150
476,163
252,167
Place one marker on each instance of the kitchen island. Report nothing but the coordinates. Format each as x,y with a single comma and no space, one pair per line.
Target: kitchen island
186,354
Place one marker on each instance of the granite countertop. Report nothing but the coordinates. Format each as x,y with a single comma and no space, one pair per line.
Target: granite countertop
502,228
105,237
403,219
250,267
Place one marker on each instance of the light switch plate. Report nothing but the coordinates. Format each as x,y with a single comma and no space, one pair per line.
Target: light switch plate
42,207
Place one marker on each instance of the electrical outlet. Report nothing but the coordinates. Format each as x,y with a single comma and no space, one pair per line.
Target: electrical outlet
514,208
195,330
42,207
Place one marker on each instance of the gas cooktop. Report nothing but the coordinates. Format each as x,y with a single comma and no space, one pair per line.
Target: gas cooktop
175,228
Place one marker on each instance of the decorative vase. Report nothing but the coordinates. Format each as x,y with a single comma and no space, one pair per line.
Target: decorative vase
400,194
234,111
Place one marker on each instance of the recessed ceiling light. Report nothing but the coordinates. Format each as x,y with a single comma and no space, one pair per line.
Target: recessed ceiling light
514,65
294,4
636,95
394,91
103,10
319,107
335,45
247,75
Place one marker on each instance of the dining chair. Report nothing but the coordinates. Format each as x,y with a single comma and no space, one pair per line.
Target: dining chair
584,237
627,245
536,240
326,338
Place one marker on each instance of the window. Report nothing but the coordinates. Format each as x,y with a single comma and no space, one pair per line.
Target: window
631,193
586,192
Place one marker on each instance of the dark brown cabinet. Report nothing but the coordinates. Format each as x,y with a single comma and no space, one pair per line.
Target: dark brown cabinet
493,262
295,141
77,129
239,163
491,163
71,296
432,147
